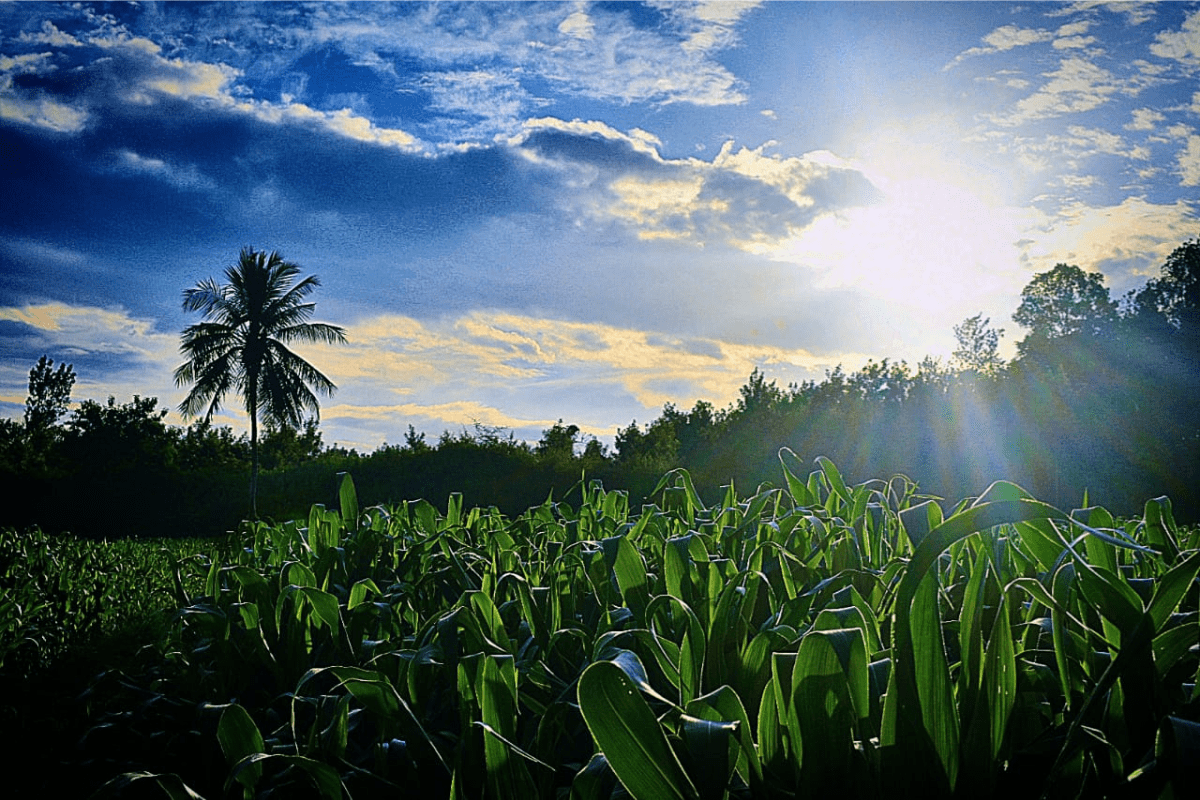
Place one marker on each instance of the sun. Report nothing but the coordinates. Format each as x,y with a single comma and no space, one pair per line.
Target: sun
939,245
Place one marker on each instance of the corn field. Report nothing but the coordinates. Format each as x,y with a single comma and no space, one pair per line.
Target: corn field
809,639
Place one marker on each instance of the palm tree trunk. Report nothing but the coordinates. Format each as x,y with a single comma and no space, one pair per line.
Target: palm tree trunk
253,456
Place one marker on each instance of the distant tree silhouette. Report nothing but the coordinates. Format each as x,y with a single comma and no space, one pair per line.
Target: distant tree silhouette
1061,302
241,345
1176,292
557,445
49,396
49,393
978,345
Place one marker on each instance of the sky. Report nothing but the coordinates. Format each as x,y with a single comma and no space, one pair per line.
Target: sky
529,212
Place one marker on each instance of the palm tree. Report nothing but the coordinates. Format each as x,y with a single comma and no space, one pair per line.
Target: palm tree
240,345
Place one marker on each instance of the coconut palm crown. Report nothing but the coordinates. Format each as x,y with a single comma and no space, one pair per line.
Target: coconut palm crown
241,345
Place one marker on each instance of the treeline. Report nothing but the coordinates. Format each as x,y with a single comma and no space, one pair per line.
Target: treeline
1103,397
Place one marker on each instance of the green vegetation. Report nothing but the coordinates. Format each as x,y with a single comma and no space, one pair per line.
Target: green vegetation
816,637
666,637
242,345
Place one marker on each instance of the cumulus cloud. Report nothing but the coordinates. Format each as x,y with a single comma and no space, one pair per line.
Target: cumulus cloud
1182,45
744,197
1077,85
1127,241
1073,42
42,112
32,107
1135,11
1189,162
1145,119
51,35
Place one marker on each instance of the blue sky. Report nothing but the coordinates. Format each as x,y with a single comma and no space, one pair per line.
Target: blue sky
533,211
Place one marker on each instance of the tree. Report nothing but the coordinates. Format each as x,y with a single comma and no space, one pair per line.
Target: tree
978,345
242,345
1061,302
287,446
119,438
49,396
557,445
1176,292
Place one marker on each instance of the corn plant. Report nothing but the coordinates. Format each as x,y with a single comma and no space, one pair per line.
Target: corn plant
812,637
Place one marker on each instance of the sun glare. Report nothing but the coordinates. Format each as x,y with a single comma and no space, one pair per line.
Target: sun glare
940,245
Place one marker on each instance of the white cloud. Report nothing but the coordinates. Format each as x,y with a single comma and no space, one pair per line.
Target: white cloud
1011,36
1086,142
42,112
495,97
1145,119
1136,11
464,413
78,331
503,365
184,177
638,139
1182,45
1180,131
50,35
1073,42
1003,39
343,122
1136,235
34,108
578,25
1189,163
1076,86
1074,28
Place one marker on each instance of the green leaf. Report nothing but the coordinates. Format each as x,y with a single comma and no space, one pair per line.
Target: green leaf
1170,589
1160,526
800,494
630,737
1000,677
933,676
358,593
348,500
324,777
170,783
836,483
239,737
596,781
919,520
831,697
497,693
724,704
708,744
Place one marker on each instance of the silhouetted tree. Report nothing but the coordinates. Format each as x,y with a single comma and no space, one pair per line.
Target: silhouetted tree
557,445
1061,302
287,446
49,397
414,441
1175,293
978,345
114,438
49,393
241,345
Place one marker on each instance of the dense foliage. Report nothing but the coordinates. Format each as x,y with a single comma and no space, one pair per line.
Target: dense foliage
816,638
1103,397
